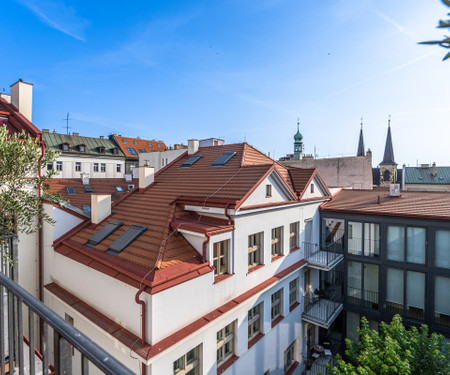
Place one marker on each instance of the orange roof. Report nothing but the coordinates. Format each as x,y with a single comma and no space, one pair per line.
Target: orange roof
98,185
420,204
159,208
126,143
14,121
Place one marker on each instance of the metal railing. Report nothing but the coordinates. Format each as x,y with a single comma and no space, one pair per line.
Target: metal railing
323,255
319,365
363,298
19,312
322,308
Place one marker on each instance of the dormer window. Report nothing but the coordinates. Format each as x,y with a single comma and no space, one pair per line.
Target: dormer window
312,188
82,148
135,142
115,150
65,147
268,191
124,140
101,150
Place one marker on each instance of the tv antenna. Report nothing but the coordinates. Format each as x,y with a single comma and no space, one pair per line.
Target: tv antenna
67,123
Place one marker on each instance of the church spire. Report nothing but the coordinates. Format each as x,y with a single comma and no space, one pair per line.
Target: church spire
361,141
298,144
388,149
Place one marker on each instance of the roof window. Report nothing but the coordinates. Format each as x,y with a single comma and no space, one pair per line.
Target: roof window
149,143
135,142
193,159
124,140
86,207
65,147
71,190
82,148
132,151
126,239
119,189
101,149
142,150
98,237
88,189
223,159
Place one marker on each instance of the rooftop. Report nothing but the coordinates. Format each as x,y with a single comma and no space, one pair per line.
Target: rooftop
415,204
424,175
132,147
15,121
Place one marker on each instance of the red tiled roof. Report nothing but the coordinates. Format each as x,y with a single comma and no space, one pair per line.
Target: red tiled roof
15,121
300,178
420,204
138,144
99,185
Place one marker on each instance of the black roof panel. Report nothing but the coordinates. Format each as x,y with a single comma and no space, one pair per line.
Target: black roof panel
126,238
99,236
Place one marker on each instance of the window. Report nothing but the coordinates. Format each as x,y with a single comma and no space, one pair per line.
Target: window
415,295
118,168
415,245
225,344
82,148
119,189
188,364
312,188
124,140
142,150
95,167
293,235
101,150
275,311
268,191
86,207
158,145
352,326
220,257
395,243
132,151
65,147
71,190
193,159
394,291
277,241
293,292
77,166
355,238
371,240
135,142
254,321
103,167
223,159
49,166
442,255
115,150
149,143
254,249
88,189
59,166
290,356
442,301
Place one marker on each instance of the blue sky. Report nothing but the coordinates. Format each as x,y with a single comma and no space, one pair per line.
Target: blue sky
174,70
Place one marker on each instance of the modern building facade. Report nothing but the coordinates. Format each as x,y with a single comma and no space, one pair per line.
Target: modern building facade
397,256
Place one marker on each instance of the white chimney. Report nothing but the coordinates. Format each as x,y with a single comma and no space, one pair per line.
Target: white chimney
192,146
146,176
394,190
100,207
433,171
85,178
22,97
7,97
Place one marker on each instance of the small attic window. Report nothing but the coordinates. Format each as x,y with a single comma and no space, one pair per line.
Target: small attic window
124,140
101,149
192,160
115,150
99,236
82,148
71,190
119,189
132,151
268,191
141,150
149,143
88,189
135,142
65,147
126,239
223,159
312,188
86,207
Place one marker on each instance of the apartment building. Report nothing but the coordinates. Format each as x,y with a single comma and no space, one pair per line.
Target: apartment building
206,268
397,255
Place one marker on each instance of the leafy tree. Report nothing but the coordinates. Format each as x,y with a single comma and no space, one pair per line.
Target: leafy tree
395,350
443,25
20,163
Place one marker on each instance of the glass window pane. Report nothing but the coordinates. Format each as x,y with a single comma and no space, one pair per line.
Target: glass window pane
354,277
352,326
332,231
371,285
394,291
355,238
415,295
371,240
442,295
442,248
415,240
395,243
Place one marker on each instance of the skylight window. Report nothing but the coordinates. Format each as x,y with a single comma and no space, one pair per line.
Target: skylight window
88,189
71,190
132,151
149,143
142,150
124,140
193,159
135,142
86,207
98,237
223,159
119,189
126,239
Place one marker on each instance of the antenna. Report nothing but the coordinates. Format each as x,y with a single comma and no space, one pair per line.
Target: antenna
67,123
245,137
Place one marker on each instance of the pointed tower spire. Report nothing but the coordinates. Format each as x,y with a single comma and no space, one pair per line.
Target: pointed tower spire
298,144
388,149
361,141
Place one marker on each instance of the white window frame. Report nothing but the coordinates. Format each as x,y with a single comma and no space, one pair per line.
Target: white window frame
78,166
224,340
293,292
95,167
223,248
277,241
59,165
255,244
293,235
103,167
255,316
119,168
276,304
292,350
268,191
188,366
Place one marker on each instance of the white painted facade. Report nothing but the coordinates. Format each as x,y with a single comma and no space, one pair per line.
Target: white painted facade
174,308
159,159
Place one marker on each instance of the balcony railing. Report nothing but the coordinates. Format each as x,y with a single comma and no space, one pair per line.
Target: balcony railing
19,312
323,257
322,311
362,298
315,366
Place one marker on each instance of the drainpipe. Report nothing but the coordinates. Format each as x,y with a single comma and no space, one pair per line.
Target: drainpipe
227,215
40,252
143,320
205,242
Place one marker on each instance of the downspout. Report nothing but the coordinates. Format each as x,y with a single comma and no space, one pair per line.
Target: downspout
143,320
227,215
205,242
40,252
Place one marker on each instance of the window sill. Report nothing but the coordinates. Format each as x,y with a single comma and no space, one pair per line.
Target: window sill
294,249
221,369
220,278
292,368
293,306
254,268
268,196
277,320
255,339
276,257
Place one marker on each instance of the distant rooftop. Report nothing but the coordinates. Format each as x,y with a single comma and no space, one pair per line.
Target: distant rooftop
424,175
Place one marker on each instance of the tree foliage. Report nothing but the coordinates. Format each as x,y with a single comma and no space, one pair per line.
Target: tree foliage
20,163
445,43
395,350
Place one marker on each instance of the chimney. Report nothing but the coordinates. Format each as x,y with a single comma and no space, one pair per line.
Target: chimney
146,176
7,97
433,171
22,97
76,134
45,131
192,146
102,137
100,207
85,178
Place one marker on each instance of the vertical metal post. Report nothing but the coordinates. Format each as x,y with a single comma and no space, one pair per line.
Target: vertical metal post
31,336
20,358
10,330
56,353
84,365
3,320
45,348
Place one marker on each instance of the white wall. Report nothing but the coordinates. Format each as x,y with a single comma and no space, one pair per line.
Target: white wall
87,166
159,159
64,222
258,196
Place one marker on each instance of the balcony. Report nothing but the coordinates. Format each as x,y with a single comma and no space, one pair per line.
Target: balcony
362,298
320,310
63,349
323,257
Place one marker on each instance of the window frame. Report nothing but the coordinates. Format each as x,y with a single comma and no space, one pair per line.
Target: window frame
224,340
103,167
78,166
224,251
119,168
276,305
59,165
268,191
254,247
293,291
293,235
96,167
312,188
188,366
255,315
277,241
292,348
